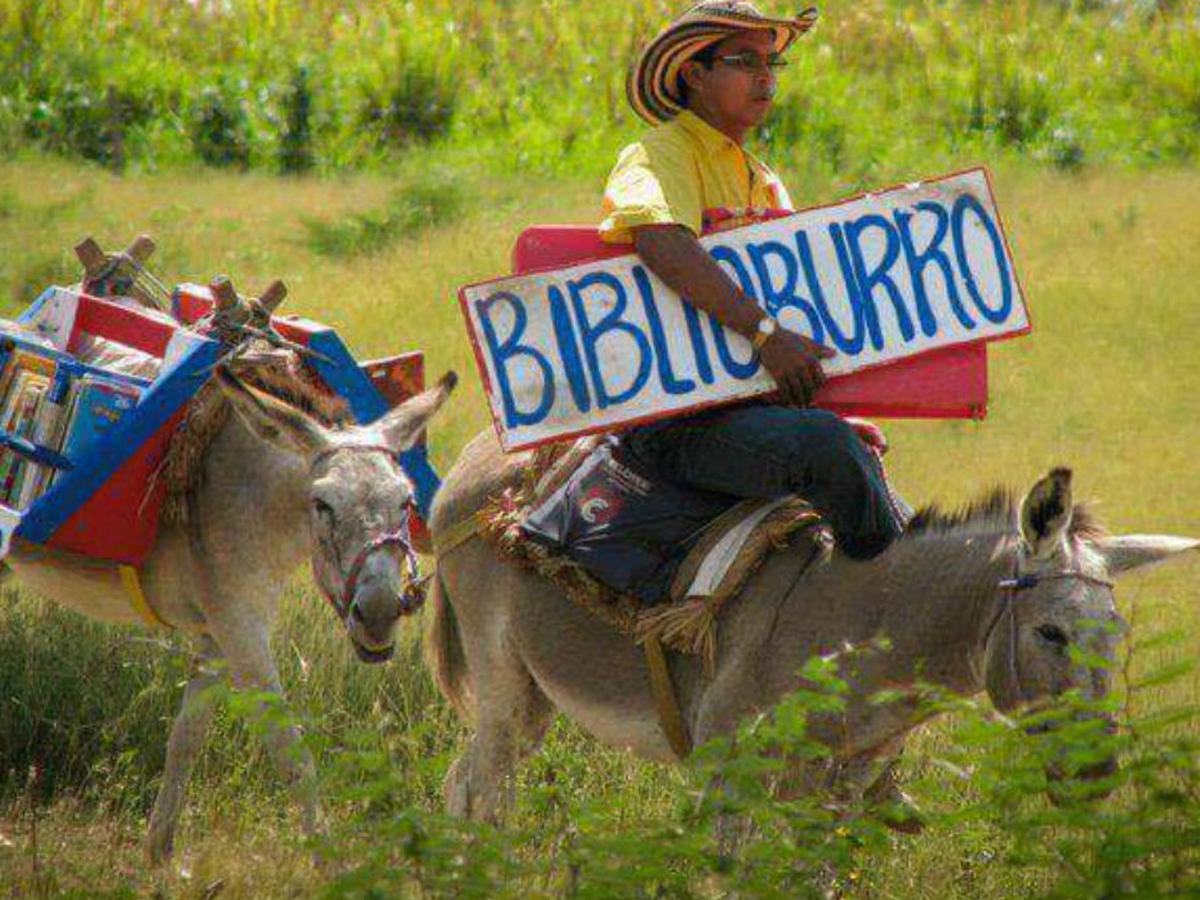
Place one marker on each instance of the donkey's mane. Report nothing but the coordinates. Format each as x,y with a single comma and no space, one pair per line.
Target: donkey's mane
996,512
281,375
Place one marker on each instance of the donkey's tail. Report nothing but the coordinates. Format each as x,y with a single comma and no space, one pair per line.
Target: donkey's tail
444,652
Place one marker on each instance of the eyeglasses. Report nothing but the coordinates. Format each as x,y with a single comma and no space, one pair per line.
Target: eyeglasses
752,62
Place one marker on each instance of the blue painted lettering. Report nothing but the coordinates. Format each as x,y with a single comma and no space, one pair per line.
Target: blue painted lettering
851,345
564,334
878,276
739,370
501,352
967,203
777,297
662,350
592,332
932,254
699,346
736,369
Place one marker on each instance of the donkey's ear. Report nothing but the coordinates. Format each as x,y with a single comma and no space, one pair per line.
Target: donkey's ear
272,420
1134,551
1046,513
402,426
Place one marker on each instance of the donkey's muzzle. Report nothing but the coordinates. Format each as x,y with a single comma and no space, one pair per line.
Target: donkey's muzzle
1088,779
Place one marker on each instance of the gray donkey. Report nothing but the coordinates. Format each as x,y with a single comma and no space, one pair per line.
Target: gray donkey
275,484
989,599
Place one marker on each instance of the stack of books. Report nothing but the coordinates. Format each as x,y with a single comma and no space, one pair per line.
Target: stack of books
51,407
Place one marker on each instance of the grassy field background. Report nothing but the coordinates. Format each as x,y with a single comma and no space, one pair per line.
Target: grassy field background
1106,384
431,134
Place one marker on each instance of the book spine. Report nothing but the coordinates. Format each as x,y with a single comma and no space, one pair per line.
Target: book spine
51,421
10,490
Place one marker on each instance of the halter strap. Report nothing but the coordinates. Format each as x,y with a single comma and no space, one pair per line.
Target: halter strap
1032,579
1011,587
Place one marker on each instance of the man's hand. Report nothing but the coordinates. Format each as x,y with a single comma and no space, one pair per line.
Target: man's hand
794,361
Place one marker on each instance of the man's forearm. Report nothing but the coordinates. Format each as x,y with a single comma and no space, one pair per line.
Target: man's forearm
673,254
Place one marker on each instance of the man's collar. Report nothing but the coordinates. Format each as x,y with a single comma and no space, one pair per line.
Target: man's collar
711,139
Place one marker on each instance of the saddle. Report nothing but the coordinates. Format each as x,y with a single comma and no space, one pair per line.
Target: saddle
654,559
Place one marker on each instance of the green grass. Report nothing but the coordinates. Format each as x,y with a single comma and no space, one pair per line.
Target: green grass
1106,384
421,204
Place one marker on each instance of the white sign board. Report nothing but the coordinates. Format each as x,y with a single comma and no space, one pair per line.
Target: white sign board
878,278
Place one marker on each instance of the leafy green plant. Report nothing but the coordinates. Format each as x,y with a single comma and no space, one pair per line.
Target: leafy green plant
295,143
414,101
220,127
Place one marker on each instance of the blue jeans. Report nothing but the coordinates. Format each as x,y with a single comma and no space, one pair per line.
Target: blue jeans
770,451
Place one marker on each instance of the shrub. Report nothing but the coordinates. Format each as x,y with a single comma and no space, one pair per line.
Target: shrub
730,834
1064,149
295,142
220,127
79,117
414,102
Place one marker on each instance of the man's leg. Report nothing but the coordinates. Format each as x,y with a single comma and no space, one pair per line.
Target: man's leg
768,451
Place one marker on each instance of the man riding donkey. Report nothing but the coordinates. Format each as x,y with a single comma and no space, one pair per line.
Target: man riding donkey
990,597
631,515
705,83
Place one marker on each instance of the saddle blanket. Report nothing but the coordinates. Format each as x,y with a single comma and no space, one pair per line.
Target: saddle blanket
620,544
625,527
645,536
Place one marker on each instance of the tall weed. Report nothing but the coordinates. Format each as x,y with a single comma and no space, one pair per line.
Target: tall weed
220,126
735,828
295,145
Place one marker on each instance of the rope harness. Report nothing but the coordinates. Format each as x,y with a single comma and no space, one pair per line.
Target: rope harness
398,542
1010,588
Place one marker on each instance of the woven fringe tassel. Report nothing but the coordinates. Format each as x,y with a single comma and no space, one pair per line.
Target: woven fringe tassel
689,627
500,525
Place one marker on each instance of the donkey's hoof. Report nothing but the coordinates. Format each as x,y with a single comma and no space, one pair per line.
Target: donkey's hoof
903,815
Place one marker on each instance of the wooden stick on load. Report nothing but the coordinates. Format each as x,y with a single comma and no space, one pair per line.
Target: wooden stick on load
91,257
264,307
121,274
142,248
224,295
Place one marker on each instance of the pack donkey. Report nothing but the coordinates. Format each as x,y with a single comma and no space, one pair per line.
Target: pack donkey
988,599
276,485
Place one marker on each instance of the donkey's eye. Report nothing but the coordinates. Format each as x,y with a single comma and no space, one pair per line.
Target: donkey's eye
322,509
1053,634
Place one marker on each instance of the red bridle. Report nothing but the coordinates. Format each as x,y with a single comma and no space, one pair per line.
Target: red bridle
397,541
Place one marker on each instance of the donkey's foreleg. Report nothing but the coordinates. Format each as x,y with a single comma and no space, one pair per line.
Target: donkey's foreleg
513,716
251,667
867,782
183,746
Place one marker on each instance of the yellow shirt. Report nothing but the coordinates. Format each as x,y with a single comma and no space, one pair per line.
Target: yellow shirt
686,172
